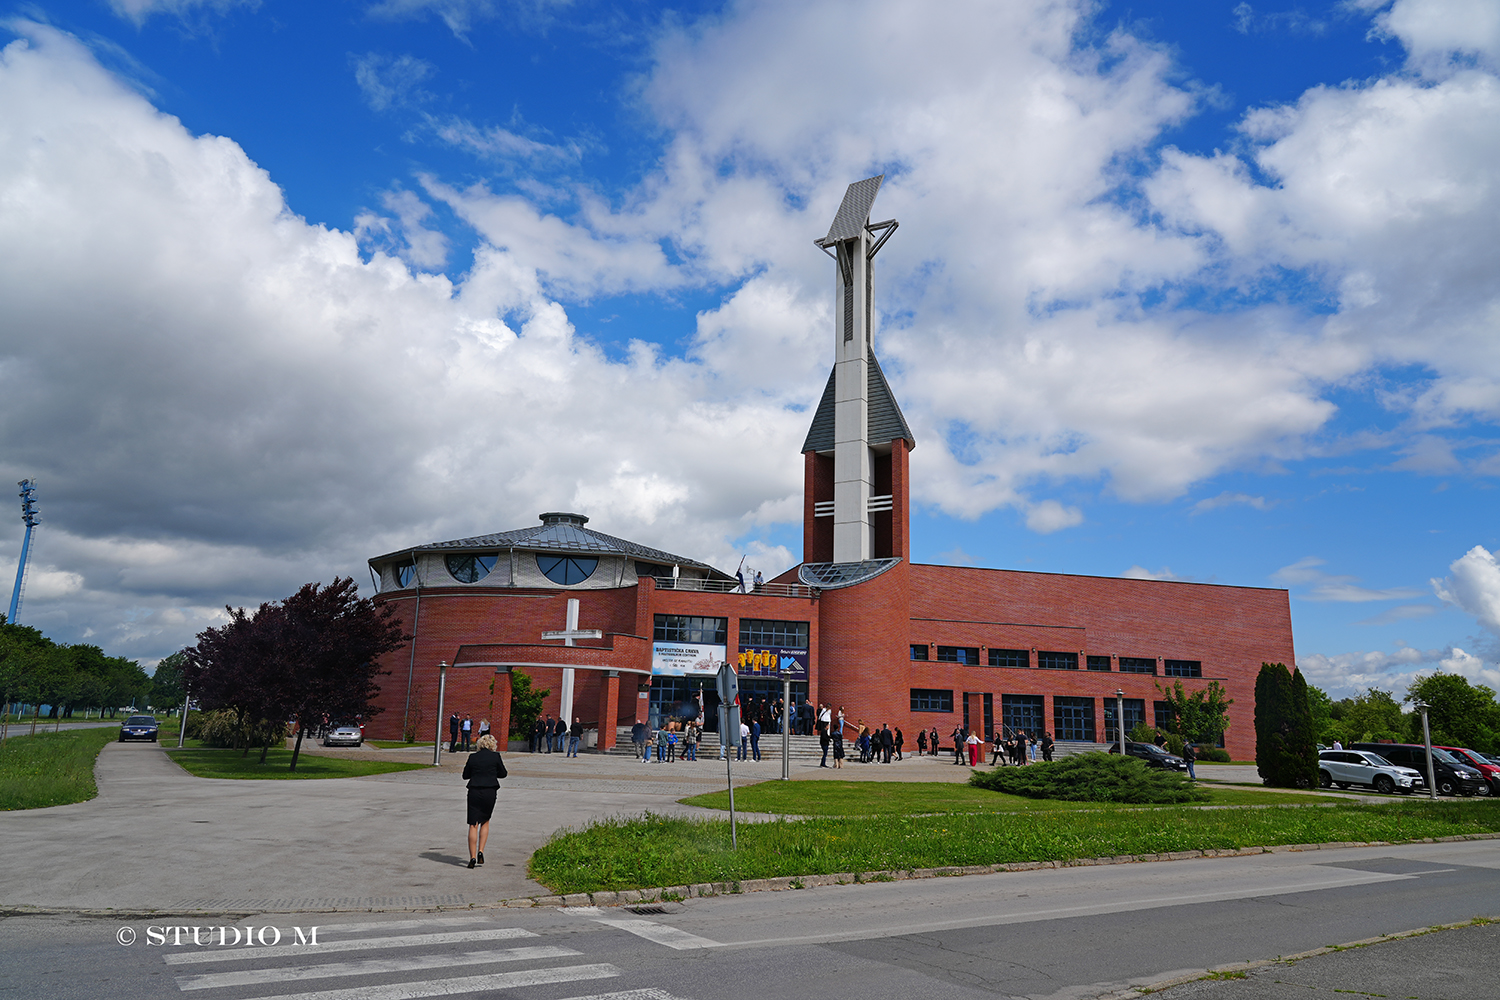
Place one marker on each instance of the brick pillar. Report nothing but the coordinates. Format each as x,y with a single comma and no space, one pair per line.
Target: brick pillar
609,709
975,701
500,725
901,499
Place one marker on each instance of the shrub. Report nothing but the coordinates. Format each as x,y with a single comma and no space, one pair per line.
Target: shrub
1092,777
226,728
1213,754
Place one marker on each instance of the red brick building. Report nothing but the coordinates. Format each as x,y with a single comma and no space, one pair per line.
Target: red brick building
856,624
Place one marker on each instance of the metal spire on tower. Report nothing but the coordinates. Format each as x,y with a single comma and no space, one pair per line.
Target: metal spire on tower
30,518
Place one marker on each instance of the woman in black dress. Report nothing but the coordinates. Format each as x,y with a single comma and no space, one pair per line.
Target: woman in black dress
484,769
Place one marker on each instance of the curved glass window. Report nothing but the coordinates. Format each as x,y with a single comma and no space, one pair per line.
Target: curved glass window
469,568
404,573
566,570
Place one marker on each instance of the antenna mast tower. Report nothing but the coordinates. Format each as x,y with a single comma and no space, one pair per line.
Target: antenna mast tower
29,518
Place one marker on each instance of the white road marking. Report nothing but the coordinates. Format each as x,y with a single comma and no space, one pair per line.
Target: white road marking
582,911
367,966
630,995
466,984
402,925
324,947
672,937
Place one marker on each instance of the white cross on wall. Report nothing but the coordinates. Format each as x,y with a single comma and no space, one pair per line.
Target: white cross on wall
568,634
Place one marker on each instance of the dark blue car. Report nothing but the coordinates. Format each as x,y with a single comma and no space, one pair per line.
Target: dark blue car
139,727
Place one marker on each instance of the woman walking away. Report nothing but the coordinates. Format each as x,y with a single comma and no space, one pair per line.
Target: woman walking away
484,769
838,747
921,742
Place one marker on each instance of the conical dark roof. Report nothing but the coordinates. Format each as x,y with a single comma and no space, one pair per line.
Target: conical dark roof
883,416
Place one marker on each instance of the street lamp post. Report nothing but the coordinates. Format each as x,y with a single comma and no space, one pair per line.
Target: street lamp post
1120,718
437,740
1422,707
786,718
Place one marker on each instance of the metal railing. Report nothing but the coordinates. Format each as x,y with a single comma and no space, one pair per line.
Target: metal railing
733,587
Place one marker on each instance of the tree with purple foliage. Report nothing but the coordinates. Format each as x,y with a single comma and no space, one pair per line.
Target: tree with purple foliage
310,656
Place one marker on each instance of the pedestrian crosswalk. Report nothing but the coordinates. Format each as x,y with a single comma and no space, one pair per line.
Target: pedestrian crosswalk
394,964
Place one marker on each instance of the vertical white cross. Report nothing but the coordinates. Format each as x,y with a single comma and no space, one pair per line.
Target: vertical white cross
567,635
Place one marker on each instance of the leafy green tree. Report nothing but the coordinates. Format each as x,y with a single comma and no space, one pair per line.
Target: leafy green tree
1285,752
1200,716
525,703
166,682
1325,730
1462,714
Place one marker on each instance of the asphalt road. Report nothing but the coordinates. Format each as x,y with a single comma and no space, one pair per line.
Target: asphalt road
1064,934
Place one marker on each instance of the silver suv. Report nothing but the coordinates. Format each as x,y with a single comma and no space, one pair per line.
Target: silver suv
1360,767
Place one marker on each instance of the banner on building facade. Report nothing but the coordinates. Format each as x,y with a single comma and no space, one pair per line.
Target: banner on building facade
772,661
683,659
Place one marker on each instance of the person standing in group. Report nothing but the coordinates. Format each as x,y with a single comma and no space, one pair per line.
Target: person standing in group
887,743
690,741
839,721
483,771
646,746
838,747
1031,745
933,743
744,739
959,736
975,745
900,742
1189,756
755,739
921,742
453,723
560,733
638,737
484,728
467,730
997,747
575,736
1047,746
825,738
547,734
536,736
825,718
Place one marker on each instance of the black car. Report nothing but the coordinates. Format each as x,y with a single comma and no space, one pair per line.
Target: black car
139,727
1152,756
1450,777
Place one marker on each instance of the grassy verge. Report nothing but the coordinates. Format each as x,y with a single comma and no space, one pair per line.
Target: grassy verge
666,851
50,769
878,798
207,762
398,745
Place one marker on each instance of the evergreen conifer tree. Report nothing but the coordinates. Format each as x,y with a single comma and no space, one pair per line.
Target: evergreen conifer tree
1285,754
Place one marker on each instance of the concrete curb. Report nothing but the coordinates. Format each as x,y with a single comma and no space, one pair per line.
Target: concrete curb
680,893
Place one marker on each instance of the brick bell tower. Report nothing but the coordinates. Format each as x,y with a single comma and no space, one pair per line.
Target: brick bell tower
855,487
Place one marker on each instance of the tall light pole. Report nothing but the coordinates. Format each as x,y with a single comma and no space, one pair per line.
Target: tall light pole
29,518
1120,718
437,740
1422,707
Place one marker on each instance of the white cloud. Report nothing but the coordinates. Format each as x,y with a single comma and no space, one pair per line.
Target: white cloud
1347,674
406,236
1473,587
140,10
1138,572
1328,587
1048,516
1228,499
1401,613
388,82
1434,32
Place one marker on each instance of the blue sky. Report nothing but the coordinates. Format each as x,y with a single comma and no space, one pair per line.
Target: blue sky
1198,291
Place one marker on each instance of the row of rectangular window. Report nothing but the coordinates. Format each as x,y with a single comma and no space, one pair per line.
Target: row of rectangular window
1047,659
1072,717
715,631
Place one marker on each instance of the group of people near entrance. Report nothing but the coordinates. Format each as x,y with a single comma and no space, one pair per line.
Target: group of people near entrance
868,745
548,736
461,731
677,740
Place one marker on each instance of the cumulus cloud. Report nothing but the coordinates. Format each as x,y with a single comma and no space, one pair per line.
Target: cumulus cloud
1473,587
1438,34
1139,572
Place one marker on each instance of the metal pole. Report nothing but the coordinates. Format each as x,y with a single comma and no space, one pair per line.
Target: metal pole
1427,742
1120,718
734,835
187,701
786,736
437,740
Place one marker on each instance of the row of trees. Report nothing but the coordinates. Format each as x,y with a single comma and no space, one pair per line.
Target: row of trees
35,671
1292,718
308,658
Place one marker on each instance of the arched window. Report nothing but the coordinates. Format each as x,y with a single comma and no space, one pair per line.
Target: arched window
567,570
469,568
404,573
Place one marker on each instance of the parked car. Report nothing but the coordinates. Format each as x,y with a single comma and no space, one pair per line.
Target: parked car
344,736
1362,767
1480,763
1155,756
138,727
1449,776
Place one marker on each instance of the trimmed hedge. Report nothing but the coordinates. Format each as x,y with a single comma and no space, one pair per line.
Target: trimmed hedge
1092,777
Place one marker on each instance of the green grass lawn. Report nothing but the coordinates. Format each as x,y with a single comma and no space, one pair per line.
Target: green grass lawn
654,851
51,769
207,762
397,744
872,798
